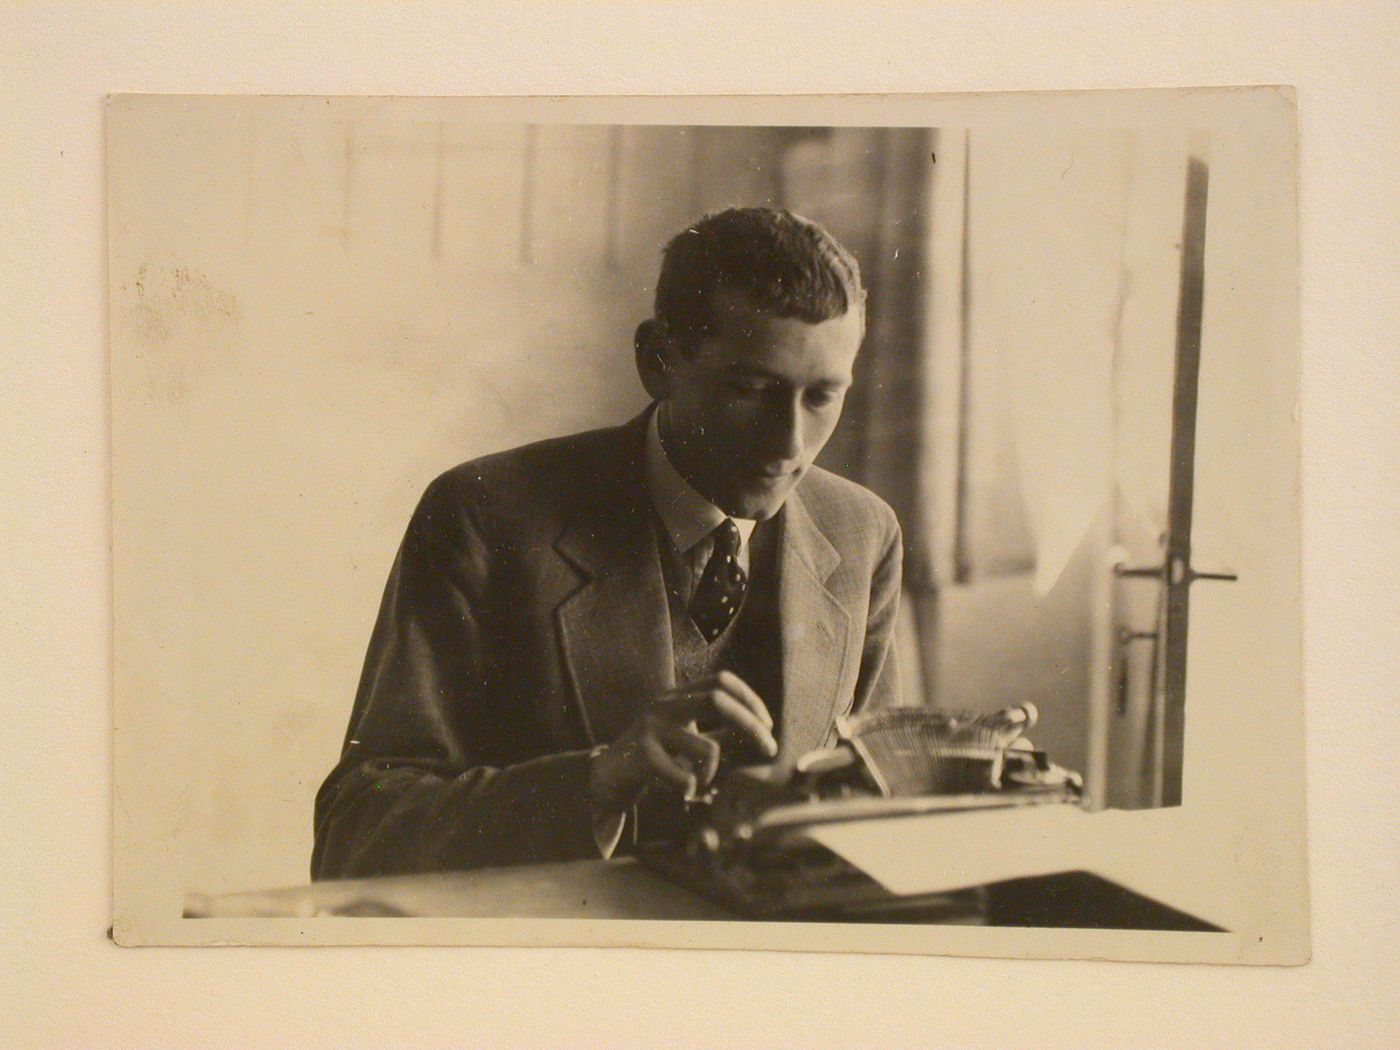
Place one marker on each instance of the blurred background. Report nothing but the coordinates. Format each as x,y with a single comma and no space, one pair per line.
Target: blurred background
318,306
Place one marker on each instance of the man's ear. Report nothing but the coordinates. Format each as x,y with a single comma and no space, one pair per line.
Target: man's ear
649,343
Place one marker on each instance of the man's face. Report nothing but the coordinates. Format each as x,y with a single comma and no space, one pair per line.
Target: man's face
749,408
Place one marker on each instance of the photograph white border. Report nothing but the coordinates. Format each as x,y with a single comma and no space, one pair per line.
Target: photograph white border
1262,842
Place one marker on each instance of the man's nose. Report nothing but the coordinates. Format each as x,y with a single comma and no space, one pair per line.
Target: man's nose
785,430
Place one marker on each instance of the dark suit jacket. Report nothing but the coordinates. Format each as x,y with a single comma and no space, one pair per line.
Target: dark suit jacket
525,620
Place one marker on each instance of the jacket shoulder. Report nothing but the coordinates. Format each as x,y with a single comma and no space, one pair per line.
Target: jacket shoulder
536,480
548,459
833,499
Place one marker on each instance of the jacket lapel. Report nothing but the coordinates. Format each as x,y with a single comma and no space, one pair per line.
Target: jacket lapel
816,632
615,630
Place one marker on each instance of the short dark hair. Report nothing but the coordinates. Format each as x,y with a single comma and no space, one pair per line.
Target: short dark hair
790,266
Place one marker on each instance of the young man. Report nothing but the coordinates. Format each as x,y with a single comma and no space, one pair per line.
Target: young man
565,621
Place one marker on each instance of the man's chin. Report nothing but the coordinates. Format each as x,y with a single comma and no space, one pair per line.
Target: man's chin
756,506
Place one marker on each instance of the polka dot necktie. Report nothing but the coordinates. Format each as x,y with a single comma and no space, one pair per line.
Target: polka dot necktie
721,589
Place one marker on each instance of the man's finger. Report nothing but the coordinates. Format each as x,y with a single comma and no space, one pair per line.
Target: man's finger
701,752
696,699
742,718
729,699
669,770
741,691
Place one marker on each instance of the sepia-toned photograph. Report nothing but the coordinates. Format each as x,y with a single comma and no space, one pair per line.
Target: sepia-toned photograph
837,524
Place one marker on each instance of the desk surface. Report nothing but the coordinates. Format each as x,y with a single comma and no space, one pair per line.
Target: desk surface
586,889
624,889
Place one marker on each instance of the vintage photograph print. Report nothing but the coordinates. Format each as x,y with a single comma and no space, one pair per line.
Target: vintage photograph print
795,523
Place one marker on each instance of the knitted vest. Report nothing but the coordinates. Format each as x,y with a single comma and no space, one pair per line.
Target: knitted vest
749,647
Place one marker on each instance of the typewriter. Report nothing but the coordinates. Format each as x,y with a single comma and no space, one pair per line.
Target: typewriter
747,844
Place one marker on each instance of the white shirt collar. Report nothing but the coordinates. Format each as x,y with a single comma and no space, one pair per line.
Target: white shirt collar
688,516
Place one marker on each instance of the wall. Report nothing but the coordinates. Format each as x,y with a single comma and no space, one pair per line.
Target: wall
318,309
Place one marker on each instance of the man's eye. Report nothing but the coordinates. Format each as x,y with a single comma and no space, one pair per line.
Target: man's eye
822,398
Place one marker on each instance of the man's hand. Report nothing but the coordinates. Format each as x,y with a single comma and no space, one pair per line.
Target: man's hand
663,747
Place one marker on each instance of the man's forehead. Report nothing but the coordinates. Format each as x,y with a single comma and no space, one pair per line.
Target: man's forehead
792,350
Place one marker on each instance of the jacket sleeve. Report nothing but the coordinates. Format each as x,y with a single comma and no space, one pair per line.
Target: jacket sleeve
878,684
420,785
